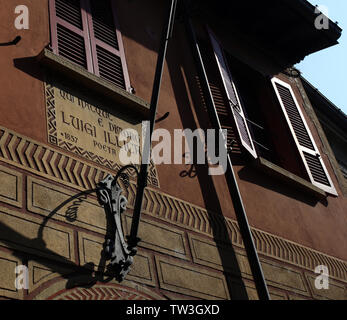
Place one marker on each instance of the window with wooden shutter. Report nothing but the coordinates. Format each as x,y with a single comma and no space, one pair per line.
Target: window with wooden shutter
303,138
107,46
232,95
69,32
87,33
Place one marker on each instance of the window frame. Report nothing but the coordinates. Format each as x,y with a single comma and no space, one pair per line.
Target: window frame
305,153
90,41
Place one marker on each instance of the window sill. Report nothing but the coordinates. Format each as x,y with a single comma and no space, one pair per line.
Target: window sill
288,177
74,72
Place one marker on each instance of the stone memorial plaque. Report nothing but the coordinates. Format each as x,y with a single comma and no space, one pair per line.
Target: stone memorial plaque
90,129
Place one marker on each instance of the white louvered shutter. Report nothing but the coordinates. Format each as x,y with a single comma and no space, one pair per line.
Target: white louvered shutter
234,101
303,138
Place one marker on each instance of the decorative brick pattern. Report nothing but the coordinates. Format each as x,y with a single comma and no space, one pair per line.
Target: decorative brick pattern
179,277
197,219
26,233
8,263
336,290
284,277
45,198
51,115
110,291
11,186
98,293
70,171
160,238
25,153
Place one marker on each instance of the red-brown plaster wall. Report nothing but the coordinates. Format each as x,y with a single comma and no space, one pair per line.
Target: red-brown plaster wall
22,96
271,205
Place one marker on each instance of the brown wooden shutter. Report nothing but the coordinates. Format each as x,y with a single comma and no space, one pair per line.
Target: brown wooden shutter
69,32
106,43
234,101
303,138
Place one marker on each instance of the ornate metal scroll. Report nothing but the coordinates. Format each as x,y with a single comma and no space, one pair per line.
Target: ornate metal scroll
116,248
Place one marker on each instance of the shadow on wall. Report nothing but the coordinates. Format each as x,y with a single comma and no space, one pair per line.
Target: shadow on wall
259,178
14,42
30,66
82,276
219,228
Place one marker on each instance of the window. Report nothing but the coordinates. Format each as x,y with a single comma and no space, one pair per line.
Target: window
267,116
86,32
233,98
305,143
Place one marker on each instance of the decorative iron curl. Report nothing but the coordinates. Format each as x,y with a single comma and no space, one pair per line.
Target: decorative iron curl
116,248
125,177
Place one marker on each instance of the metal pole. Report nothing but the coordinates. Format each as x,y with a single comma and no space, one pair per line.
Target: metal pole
142,181
245,230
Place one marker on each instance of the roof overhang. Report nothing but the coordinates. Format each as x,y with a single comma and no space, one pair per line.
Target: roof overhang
324,106
285,28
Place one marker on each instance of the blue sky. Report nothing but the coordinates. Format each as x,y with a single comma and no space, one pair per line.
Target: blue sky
327,69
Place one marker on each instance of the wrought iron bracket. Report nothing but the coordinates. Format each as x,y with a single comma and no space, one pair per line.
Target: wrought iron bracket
116,248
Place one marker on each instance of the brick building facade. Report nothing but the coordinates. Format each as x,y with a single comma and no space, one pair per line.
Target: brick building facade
84,71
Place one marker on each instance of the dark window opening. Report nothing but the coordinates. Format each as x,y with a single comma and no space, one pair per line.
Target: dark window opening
268,128
220,100
271,134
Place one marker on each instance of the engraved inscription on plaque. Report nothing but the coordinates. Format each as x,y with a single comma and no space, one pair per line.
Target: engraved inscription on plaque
82,126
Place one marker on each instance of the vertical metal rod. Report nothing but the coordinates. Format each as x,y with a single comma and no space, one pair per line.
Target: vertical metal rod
245,230
142,181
